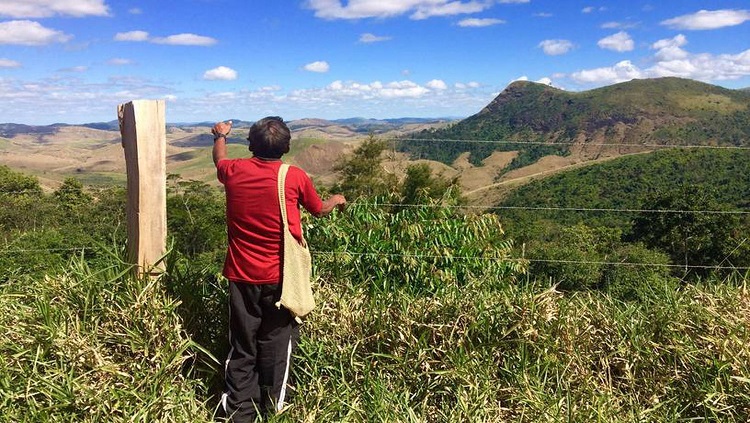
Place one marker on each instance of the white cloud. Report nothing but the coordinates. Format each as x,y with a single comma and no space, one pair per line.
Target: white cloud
543,15
466,85
30,33
135,11
437,84
48,8
670,48
222,73
185,40
705,19
371,38
673,60
556,47
619,25
132,36
619,42
545,81
670,59
418,9
117,61
7,63
433,8
477,23
620,72
319,67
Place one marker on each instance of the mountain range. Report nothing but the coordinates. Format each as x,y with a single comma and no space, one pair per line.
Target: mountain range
529,130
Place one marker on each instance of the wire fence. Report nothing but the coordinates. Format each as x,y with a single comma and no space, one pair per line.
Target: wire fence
362,204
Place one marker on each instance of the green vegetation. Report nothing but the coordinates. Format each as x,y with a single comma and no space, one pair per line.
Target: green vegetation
681,206
425,313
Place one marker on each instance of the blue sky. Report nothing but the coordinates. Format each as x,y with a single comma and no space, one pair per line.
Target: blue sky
74,61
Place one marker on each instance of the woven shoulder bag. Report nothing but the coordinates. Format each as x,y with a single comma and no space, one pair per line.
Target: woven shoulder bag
296,291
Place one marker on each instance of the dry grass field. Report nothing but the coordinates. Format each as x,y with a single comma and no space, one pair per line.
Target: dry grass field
96,157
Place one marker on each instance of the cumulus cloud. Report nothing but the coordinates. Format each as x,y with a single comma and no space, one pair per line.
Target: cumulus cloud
185,40
437,84
372,38
709,19
620,42
478,23
319,66
30,33
620,72
670,48
222,73
418,9
556,47
671,59
545,80
132,36
7,63
48,8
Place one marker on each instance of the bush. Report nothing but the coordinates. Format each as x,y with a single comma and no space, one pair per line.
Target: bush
424,249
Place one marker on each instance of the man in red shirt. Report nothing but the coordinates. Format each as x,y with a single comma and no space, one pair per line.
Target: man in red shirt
261,335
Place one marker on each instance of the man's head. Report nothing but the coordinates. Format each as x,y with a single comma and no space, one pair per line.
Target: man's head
269,138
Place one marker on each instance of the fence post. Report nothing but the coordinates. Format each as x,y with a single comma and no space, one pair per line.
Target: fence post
144,138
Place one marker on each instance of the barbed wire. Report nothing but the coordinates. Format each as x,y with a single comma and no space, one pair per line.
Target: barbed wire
534,208
43,250
528,208
592,262
452,257
506,142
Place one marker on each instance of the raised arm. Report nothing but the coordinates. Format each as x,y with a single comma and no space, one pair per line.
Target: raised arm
220,131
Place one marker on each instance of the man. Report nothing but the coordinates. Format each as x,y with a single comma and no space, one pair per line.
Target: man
261,335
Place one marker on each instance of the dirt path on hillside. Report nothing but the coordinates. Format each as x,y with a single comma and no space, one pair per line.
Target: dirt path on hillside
551,166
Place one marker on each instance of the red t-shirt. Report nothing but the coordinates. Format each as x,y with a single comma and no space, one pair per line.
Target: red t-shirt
253,216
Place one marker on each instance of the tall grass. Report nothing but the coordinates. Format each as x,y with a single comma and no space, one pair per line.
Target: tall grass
526,352
90,345
100,346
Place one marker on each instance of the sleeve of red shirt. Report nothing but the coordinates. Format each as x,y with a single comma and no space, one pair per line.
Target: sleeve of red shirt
222,169
308,196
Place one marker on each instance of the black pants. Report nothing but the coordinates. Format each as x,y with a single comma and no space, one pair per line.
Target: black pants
262,338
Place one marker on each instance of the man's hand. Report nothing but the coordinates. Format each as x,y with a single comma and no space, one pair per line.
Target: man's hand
220,131
222,128
336,201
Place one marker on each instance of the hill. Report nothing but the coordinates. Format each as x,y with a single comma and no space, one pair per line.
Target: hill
627,182
92,153
633,116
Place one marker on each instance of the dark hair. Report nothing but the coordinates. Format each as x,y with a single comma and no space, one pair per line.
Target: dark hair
269,138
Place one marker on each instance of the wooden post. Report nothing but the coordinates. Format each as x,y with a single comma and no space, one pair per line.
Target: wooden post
144,138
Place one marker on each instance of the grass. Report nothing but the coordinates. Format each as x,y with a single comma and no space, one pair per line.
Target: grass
100,345
93,346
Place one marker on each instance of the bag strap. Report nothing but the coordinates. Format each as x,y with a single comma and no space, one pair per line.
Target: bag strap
282,198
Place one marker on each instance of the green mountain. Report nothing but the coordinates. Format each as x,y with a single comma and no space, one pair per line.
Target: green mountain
538,119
